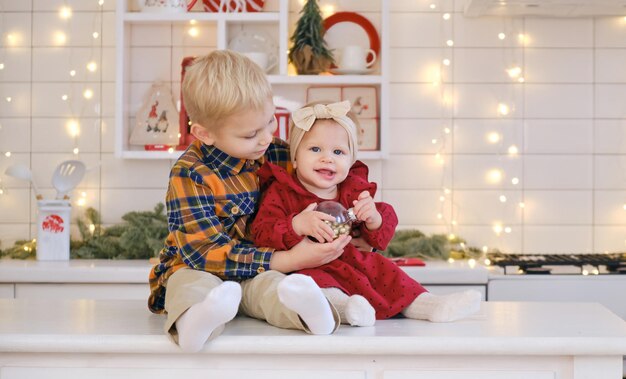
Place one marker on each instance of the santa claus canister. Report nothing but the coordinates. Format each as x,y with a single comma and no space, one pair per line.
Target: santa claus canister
53,230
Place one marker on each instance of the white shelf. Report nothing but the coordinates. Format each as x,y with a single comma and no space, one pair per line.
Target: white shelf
276,21
200,16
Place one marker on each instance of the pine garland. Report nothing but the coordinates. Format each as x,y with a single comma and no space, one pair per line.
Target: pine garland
413,243
140,236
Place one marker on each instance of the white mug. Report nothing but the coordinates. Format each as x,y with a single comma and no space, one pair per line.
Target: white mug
264,60
354,57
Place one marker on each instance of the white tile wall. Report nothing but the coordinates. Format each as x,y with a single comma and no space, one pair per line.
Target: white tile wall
567,120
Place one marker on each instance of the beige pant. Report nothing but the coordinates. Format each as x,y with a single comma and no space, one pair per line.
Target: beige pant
187,287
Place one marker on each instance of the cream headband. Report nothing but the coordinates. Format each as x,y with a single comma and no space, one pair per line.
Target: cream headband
304,119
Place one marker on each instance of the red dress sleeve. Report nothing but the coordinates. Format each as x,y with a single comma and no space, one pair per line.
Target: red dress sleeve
380,238
272,225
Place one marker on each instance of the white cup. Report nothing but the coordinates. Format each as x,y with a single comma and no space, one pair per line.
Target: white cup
263,60
354,57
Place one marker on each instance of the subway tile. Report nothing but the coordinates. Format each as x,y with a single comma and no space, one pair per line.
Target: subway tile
15,6
609,172
558,136
119,174
12,205
478,171
559,32
53,64
609,65
412,65
484,236
47,99
494,136
159,68
107,106
17,66
150,35
78,30
15,135
558,172
16,30
558,65
414,172
108,33
483,100
417,207
608,239
485,65
484,31
415,100
52,135
610,32
415,30
610,100
12,232
107,67
609,208
558,100
486,207
558,207
415,136
118,202
108,135
559,239
15,100
75,5
609,136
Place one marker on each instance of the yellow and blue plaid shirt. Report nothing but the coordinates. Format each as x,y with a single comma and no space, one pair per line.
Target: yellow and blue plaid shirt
210,199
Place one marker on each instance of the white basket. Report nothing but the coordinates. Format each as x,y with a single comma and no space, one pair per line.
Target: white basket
53,230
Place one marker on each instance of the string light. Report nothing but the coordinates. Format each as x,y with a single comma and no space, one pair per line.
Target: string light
73,128
513,150
522,205
64,97
7,154
503,109
75,151
502,199
1,66
9,99
494,176
446,16
446,62
13,39
60,38
100,2
95,35
450,42
72,72
433,6
515,181
65,13
88,93
193,32
92,66
501,36
514,72
493,137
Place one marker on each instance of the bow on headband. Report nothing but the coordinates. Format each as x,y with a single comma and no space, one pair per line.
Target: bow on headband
304,118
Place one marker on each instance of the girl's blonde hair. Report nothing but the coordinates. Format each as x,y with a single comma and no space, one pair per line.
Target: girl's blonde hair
221,84
349,123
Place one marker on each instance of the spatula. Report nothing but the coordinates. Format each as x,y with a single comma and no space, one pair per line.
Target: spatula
66,177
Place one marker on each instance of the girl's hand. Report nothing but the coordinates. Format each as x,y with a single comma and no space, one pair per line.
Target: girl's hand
311,223
308,254
365,210
361,245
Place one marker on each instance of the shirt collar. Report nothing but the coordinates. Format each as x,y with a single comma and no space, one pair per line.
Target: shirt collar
219,161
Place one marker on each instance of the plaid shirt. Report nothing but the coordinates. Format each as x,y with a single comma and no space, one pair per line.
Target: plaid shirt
210,199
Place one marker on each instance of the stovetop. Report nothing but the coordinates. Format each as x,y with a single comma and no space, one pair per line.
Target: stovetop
607,263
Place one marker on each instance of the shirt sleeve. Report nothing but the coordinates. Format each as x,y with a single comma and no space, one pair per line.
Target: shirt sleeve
272,225
380,238
199,233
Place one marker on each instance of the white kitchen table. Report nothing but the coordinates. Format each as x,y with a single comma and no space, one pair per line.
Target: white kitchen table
54,339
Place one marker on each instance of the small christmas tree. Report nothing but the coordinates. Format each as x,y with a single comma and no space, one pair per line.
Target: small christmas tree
309,52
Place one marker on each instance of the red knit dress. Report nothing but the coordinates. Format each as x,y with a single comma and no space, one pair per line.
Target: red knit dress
387,287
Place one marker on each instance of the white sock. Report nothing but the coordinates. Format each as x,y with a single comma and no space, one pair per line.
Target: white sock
443,308
218,307
354,310
302,295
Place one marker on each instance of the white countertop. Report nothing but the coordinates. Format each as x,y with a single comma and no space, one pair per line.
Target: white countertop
136,271
501,328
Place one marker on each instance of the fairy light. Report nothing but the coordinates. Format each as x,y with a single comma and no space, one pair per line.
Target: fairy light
73,128
625,207
446,16
88,93
75,151
60,38
515,181
446,130
92,66
503,109
81,202
9,99
72,72
92,228
193,32
501,36
64,97
502,199
497,228
451,237
450,42
328,10
100,2
522,39
95,35
513,150
446,62
493,137
494,176
433,6
442,198
13,39
439,216
521,79
193,22
450,260
514,72
434,141
7,154
521,205
65,12
1,66
508,230
471,262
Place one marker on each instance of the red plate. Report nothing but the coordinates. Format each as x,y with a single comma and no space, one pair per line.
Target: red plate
359,20
229,6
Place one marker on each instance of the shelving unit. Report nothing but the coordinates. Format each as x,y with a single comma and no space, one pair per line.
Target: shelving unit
132,80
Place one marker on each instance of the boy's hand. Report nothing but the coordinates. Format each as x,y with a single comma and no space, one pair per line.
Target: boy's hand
311,223
308,254
365,210
361,245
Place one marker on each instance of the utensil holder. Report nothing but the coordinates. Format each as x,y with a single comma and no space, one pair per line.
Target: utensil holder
53,230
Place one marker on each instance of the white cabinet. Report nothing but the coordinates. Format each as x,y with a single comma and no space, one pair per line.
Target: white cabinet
7,291
150,48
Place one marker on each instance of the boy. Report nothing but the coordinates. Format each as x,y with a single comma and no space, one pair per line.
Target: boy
207,266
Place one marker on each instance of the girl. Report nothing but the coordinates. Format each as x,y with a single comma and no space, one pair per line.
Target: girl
362,285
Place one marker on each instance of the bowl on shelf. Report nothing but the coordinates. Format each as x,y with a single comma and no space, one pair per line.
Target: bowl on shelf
258,46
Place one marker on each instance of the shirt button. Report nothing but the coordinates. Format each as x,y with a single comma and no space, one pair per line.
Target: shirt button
260,270
234,210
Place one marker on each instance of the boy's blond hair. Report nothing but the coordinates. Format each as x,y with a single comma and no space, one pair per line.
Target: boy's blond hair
221,84
352,128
